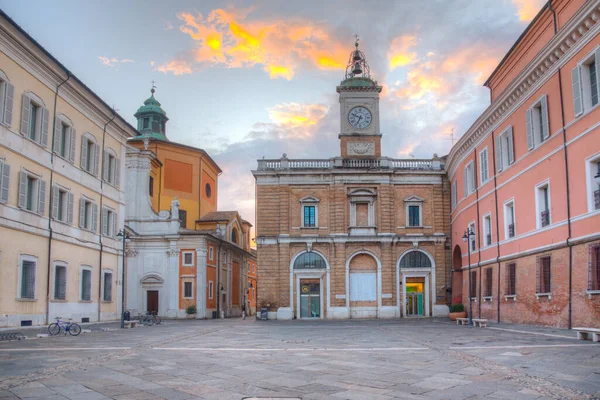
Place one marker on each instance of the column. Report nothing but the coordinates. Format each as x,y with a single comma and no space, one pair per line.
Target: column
201,281
173,282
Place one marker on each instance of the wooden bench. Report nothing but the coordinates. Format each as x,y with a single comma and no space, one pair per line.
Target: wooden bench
462,321
130,324
481,322
584,334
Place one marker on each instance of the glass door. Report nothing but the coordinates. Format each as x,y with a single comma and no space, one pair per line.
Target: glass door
310,298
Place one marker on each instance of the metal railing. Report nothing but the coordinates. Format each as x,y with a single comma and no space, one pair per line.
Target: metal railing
597,199
511,230
488,239
545,218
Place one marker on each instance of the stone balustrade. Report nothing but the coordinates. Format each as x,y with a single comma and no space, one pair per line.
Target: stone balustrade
434,164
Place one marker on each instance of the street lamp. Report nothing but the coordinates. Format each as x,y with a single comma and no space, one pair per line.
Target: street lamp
467,239
125,236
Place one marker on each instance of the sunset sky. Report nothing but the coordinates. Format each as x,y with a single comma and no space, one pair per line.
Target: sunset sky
247,79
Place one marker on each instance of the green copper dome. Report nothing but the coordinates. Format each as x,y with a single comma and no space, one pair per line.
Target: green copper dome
152,119
356,82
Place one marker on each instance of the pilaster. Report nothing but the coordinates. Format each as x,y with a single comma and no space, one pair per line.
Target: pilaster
201,281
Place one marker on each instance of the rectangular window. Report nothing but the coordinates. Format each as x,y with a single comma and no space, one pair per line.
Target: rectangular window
210,290
90,153
594,268
473,285
146,123
454,195
211,253
151,186
64,140
34,119
86,285
32,193
309,217
472,238
28,272
542,193
60,282
183,218
511,280
544,275
505,153
487,230
585,83
187,290
188,259
488,282
537,123
34,116
362,214
469,179
31,196
414,216
593,82
363,286
4,181
509,220
109,222
62,205
111,168
483,161
107,286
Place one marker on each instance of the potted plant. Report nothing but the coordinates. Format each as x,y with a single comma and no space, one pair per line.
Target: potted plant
191,312
457,311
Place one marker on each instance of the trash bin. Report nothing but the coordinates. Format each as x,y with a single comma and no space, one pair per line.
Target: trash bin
126,316
264,314
214,315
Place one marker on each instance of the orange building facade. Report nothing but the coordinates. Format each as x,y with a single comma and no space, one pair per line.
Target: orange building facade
524,179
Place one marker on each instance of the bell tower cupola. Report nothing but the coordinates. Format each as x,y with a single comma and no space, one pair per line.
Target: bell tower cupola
152,119
360,136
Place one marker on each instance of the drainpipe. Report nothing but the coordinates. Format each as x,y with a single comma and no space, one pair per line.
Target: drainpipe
50,202
219,279
497,220
100,235
564,134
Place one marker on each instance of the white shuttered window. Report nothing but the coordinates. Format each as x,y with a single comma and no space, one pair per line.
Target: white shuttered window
363,286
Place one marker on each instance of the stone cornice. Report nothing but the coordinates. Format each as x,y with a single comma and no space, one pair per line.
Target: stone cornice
554,54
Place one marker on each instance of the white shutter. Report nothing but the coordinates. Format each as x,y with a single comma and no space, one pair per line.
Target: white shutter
5,183
41,196
81,213
597,63
510,145
104,221
22,189
45,123
114,226
484,166
96,158
25,110
363,286
84,155
57,136
454,194
117,172
576,82
465,182
529,122
55,194
73,139
9,95
544,116
105,166
499,166
70,208
94,218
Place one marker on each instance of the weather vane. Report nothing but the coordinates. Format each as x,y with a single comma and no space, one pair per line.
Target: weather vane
357,39
153,86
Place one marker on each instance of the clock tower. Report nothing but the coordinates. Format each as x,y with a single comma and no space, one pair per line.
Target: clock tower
360,136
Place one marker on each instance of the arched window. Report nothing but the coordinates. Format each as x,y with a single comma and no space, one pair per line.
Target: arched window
234,235
415,259
310,261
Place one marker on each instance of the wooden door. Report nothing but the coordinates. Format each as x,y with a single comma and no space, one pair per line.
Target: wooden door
152,301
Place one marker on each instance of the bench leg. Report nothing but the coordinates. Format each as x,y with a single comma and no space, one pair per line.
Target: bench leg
581,335
596,337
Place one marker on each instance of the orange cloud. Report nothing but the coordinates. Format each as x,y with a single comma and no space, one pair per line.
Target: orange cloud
400,54
527,9
227,38
476,60
176,68
296,115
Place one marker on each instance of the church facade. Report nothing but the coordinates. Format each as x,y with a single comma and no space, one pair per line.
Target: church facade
358,235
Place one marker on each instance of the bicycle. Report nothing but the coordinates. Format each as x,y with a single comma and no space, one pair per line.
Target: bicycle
150,317
56,327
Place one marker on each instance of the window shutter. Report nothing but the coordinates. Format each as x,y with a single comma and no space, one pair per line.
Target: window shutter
105,166
94,218
510,145
73,138
81,213
28,280
591,263
60,283
22,189
25,110
577,100
96,158
499,153
545,124
70,208
597,59
465,182
115,220
45,123
57,136
5,183
454,194
41,196
84,155
55,194
104,221
529,123
538,275
117,172
9,95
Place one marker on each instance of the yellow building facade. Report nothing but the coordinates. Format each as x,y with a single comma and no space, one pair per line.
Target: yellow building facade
61,200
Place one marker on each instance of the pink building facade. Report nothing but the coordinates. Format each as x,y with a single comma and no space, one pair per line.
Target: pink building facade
523,179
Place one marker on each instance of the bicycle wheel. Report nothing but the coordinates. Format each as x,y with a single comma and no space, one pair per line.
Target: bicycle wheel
53,329
156,320
74,329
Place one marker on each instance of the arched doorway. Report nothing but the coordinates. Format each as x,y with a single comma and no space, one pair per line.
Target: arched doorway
306,274
362,285
457,276
416,267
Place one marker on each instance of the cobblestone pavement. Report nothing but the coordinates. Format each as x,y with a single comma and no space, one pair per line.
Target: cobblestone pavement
235,359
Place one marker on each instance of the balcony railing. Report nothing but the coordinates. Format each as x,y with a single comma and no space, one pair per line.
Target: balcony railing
511,230
597,199
488,239
545,218
284,163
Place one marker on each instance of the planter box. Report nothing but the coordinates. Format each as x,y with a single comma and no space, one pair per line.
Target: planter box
454,315
190,316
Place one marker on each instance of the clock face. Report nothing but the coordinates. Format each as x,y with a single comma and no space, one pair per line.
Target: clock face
359,117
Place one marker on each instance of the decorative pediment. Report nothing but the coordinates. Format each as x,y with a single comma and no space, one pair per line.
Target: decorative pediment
152,279
414,199
362,192
309,199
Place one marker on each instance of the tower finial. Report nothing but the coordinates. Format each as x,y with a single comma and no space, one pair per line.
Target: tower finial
153,86
356,41
357,63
